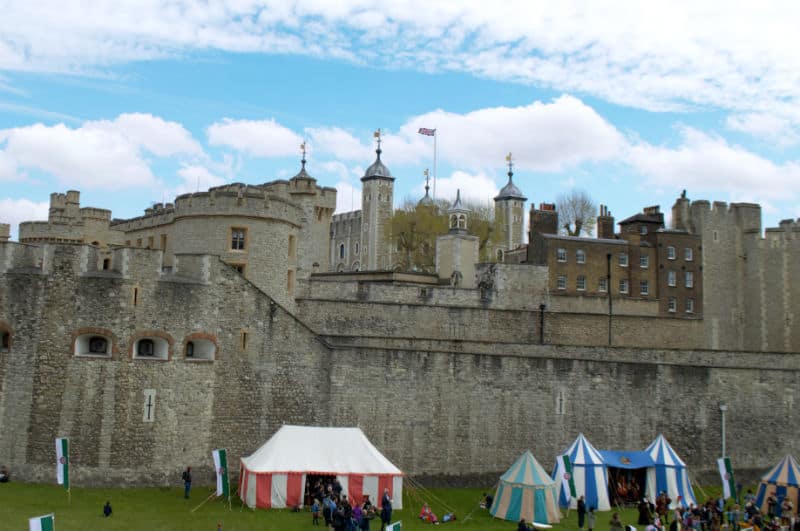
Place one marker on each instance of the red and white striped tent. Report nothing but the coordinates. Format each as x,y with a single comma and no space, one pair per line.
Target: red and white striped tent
275,475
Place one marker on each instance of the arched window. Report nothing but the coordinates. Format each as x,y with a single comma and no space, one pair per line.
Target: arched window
199,347
499,255
5,340
146,347
98,345
106,264
453,221
357,249
462,221
341,250
190,349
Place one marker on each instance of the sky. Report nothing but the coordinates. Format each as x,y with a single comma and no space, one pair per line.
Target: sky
133,103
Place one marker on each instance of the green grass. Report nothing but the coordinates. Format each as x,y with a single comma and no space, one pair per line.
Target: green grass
154,509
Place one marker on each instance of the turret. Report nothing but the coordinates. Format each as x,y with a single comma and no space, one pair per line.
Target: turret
509,208
377,196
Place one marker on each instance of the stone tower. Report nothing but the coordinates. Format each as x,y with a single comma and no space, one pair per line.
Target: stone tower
377,195
509,209
457,251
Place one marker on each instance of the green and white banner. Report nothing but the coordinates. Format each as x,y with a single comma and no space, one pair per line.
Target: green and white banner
394,527
568,482
221,466
62,461
42,523
726,473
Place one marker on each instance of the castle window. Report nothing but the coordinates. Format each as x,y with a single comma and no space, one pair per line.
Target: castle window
5,341
290,282
688,254
602,285
580,256
138,242
644,287
689,279
689,305
163,242
135,296
150,241
238,238
623,285
243,340
715,236
561,282
379,197
151,348
198,348
623,259
672,304
561,255
341,250
356,246
644,261
190,349
670,253
106,264
580,285
93,343
238,267
292,246
671,279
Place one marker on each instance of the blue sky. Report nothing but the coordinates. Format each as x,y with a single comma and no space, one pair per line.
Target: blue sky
632,102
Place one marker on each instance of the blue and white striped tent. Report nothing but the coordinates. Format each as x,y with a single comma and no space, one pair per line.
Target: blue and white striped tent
526,491
668,475
588,473
783,481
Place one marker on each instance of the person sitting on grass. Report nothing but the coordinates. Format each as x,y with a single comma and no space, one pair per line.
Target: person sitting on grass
107,509
426,515
523,526
4,474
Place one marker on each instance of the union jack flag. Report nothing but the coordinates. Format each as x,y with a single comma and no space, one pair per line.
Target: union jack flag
427,132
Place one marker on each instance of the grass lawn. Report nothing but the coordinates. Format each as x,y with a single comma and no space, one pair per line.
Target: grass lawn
154,509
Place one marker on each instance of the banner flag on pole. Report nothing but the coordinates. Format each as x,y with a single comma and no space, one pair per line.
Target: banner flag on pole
569,483
726,473
427,132
62,461
394,527
221,466
42,523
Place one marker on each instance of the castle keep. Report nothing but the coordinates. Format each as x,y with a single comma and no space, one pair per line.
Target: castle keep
211,321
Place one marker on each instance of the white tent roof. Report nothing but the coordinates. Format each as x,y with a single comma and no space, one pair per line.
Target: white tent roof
319,450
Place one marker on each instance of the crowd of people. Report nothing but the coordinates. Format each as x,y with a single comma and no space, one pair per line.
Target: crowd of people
339,513
714,515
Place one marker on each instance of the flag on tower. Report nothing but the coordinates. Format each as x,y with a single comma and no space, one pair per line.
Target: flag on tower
221,466
42,523
427,132
726,473
62,461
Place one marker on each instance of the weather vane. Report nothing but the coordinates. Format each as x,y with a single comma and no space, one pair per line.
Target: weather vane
510,162
378,136
303,150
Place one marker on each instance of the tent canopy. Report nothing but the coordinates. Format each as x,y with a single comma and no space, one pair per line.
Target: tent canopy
627,459
588,474
319,450
526,491
783,480
668,474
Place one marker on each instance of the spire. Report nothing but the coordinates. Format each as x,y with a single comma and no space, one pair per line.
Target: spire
302,174
378,169
377,135
426,201
510,190
303,161
458,215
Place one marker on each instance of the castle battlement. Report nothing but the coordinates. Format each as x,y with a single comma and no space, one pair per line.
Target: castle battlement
346,216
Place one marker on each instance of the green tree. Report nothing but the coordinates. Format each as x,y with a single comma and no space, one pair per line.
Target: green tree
414,229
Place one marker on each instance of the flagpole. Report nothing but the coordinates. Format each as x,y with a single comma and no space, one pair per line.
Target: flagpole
435,134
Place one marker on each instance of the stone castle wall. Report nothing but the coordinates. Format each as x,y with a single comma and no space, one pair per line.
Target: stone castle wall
456,408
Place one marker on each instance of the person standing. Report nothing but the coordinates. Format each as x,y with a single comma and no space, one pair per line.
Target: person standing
386,509
187,481
107,509
590,517
581,512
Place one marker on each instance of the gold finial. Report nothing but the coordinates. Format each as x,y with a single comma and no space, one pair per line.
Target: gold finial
510,164
377,135
303,149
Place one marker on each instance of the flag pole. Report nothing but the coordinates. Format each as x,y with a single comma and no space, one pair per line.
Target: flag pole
204,501
435,134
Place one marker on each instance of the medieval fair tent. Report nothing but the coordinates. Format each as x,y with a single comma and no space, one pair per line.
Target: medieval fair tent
588,475
668,474
275,475
526,491
783,481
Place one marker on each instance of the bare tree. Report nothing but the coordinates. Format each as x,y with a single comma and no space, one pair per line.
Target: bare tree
576,213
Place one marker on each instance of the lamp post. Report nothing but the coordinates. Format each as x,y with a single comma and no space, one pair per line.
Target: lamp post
723,408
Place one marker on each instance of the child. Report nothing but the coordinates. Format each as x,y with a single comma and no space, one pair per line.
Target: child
315,512
590,518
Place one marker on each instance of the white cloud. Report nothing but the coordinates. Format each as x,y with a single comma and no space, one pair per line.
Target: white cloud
478,188
338,142
152,133
348,197
258,138
765,126
710,163
643,54
8,167
15,211
196,178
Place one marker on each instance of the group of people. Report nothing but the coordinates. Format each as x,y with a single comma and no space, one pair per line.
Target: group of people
341,514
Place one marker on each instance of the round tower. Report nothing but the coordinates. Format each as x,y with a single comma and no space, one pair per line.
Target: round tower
509,208
377,196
